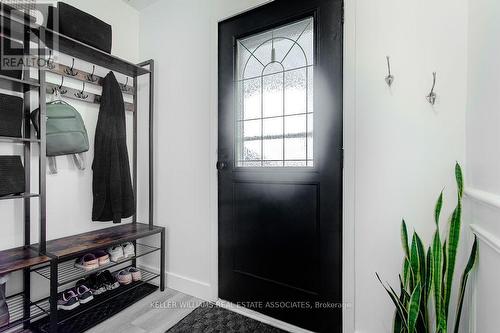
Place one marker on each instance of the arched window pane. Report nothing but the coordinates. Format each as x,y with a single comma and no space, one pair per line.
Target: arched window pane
274,97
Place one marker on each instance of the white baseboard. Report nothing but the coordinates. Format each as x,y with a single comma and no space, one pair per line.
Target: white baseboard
189,286
261,317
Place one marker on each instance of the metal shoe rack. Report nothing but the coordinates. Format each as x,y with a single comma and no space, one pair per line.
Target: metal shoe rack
53,260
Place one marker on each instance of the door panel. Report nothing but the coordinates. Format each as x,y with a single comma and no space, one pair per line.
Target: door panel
280,161
262,212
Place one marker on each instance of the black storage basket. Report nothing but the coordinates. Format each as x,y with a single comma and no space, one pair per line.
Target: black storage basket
11,175
11,115
81,26
11,53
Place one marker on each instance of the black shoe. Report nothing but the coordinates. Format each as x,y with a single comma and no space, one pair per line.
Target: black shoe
94,283
110,281
84,294
67,300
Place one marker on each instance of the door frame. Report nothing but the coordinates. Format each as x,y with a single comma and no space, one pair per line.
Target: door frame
349,141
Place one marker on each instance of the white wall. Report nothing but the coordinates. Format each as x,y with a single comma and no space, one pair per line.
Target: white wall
69,194
176,35
405,149
483,156
181,36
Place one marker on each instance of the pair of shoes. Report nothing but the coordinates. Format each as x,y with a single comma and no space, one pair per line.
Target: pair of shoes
100,282
109,280
92,261
121,252
94,282
128,275
72,298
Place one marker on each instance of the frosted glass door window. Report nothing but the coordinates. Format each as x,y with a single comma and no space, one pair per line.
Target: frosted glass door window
274,97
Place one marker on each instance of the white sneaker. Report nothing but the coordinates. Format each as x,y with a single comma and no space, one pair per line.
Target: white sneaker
128,250
116,253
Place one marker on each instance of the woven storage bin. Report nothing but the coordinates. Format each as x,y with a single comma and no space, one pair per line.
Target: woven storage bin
11,115
11,175
79,25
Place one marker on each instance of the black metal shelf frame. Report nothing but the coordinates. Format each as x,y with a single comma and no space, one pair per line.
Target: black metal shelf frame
54,269
16,304
21,309
69,273
10,83
27,86
100,309
18,140
20,196
147,276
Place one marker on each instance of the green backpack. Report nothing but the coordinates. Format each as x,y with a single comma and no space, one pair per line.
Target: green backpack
66,133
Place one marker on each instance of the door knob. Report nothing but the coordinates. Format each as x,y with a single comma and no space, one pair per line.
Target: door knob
221,165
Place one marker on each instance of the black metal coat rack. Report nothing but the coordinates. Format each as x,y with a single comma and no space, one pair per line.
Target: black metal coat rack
53,260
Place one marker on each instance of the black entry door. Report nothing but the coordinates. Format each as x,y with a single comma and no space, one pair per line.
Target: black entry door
280,162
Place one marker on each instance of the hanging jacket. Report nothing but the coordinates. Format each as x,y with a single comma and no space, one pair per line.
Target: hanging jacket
111,185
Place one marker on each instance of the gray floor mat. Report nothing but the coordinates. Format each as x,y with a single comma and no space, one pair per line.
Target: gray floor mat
209,318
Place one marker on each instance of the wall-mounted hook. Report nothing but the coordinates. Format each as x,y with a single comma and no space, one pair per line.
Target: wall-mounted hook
125,86
91,77
431,98
389,79
81,94
71,71
60,88
50,62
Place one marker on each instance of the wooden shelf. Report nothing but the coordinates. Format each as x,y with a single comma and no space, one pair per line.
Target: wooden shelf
73,246
20,196
77,49
69,46
19,258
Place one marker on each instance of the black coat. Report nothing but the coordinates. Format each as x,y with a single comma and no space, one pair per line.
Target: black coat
111,185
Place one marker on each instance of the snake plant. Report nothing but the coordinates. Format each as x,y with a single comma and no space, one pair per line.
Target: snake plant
429,274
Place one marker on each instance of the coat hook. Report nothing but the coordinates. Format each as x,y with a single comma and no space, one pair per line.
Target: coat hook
431,98
58,90
124,86
389,79
91,77
81,94
61,90
50,62
71,71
